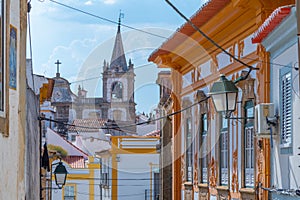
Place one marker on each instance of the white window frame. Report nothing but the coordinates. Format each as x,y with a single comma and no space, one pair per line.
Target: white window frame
203,149
68,194
224,151
189,150
249,162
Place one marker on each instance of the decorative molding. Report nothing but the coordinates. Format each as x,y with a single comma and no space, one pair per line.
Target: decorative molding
260,167
235,181
213,173
183,168
241,46
195,178
232,52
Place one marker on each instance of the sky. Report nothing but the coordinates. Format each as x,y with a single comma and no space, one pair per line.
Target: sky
82,42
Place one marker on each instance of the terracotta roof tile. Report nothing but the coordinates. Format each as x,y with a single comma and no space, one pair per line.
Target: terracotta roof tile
75,161
204,14
153,133
87,125
271,23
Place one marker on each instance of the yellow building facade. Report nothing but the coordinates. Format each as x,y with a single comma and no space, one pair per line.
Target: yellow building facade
134,168
215,157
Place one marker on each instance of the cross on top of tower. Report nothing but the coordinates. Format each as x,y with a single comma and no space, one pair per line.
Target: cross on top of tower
57,71
121,15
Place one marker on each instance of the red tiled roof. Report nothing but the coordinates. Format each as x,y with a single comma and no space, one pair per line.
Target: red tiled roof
87,125
154,133
204,14
75,161
271,23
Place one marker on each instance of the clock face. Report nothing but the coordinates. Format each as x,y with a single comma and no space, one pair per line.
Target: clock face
57,95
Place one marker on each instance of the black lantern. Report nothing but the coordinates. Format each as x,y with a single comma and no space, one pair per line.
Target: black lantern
224,95
60,174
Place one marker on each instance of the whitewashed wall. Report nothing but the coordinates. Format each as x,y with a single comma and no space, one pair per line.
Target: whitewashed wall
12,148
137,168
283,48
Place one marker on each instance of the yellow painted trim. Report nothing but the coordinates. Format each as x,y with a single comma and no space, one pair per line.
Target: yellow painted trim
134,151
94,166
91,186
114,190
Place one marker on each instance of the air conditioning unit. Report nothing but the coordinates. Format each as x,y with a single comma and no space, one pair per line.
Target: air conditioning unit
263,111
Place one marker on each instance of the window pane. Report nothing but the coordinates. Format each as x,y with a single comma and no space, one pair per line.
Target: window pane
249,145
189,150
203,149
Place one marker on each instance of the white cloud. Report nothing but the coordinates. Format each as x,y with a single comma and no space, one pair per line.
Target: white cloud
88,3
109,1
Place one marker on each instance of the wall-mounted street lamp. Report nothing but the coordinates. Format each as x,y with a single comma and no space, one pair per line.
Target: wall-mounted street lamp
224,95
60,175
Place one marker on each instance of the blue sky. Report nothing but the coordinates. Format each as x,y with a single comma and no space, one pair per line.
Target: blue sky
82,42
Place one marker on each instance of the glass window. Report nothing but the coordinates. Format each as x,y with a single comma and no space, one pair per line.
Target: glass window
249,145
69,192
189,150
203,149
224,151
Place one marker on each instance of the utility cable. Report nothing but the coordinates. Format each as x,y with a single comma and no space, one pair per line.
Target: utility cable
105,19
125,126
208,38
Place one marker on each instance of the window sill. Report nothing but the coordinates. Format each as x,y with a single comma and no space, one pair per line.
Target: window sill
247,190
285,145
223,188
189,183
203,185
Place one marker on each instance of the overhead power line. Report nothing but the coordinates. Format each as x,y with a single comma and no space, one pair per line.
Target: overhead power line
208,38
105,19
125,126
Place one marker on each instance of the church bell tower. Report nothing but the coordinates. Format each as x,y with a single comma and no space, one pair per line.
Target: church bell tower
118,84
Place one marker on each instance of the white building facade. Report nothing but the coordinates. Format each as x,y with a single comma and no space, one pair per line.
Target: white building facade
19,159
282,44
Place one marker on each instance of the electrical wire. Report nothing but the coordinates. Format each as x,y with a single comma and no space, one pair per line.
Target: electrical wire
111,179
208,38
125,126
119,195
97,77
99,184
130,27
105,19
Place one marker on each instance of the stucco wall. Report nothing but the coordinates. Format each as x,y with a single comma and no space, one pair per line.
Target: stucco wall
12,148
284,56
